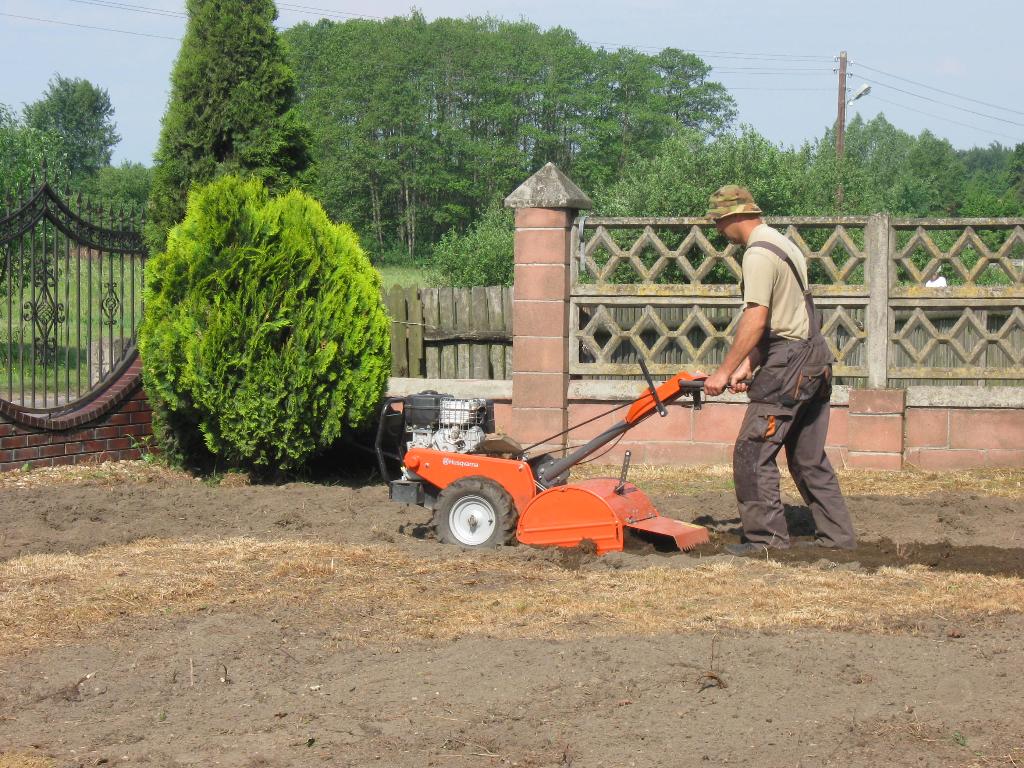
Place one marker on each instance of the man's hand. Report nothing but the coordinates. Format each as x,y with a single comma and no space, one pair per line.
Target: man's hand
738,382
716,383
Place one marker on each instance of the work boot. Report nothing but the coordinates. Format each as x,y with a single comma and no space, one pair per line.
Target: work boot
819,543
746,548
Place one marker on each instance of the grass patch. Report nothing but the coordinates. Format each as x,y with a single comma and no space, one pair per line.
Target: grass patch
405,276
48,600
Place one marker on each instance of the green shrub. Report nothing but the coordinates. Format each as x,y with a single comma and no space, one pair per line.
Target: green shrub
481,256
265,335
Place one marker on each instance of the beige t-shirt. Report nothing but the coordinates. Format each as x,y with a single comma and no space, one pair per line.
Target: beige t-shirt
768,281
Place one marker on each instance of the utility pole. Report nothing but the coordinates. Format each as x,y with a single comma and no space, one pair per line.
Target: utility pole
841,128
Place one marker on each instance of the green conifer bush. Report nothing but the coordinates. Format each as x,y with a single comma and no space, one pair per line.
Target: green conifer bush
265,336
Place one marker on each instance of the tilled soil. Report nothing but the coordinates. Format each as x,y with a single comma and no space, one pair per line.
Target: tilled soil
270,687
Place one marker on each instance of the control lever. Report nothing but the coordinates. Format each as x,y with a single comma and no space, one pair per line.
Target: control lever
654,391
621,487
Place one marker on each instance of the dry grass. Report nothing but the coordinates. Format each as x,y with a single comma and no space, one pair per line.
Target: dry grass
113,473
107,473
654,478
379,593
1007,483
22,760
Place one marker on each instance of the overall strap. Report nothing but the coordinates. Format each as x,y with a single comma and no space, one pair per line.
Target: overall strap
784,256
812,325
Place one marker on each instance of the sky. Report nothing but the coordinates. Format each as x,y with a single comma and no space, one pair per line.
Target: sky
939,65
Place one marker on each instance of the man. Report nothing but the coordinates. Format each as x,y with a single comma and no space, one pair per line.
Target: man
779,342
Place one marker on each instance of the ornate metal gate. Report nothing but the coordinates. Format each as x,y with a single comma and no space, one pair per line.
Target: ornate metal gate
70,299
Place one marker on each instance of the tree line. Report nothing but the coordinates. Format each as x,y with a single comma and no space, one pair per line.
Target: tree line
413,132
418,126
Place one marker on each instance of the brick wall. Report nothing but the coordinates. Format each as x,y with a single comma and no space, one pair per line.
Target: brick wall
688,437
111,427
868,429
962,438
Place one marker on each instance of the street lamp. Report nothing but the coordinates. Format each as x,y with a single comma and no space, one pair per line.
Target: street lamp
864,90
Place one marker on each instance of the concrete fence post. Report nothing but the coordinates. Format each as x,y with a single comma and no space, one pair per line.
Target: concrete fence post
546,205
876,321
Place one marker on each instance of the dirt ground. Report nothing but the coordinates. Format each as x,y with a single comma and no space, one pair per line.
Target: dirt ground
148,618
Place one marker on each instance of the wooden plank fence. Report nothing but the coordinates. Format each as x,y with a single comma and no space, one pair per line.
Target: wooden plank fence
451,333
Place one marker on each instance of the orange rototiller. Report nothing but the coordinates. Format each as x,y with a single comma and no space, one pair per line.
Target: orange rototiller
489,491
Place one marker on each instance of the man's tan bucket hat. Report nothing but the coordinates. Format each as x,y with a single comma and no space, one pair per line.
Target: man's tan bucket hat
730,200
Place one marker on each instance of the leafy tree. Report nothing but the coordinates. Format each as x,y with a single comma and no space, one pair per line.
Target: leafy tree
935,165
23,151
678,180
230,111
481,256
265,336
1017,171
82,115
125,187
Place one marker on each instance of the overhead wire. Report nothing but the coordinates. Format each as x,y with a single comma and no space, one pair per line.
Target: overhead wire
129,7
942,103
294,7
759,88
769,73
938,90
327,13
89,26
718,54
947,119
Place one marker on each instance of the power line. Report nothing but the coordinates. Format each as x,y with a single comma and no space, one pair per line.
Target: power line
304,9
939,90
773,73
945,103
763,67
89,26
756,88
717,54
128,7
947,119
331,14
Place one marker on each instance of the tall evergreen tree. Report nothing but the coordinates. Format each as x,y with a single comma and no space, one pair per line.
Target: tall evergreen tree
230,111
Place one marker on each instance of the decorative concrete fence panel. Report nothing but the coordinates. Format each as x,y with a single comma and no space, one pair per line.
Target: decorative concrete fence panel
924,317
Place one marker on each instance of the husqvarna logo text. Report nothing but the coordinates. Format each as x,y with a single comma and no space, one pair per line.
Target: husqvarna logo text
457,463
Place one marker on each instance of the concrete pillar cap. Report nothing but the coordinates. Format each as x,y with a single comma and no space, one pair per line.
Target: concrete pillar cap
549,188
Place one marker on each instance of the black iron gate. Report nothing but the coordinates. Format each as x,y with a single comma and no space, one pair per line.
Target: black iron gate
70,298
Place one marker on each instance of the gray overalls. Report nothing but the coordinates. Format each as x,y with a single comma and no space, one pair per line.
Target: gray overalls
789,407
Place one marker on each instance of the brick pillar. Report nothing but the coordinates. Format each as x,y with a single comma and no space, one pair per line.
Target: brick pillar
546,205
876,426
